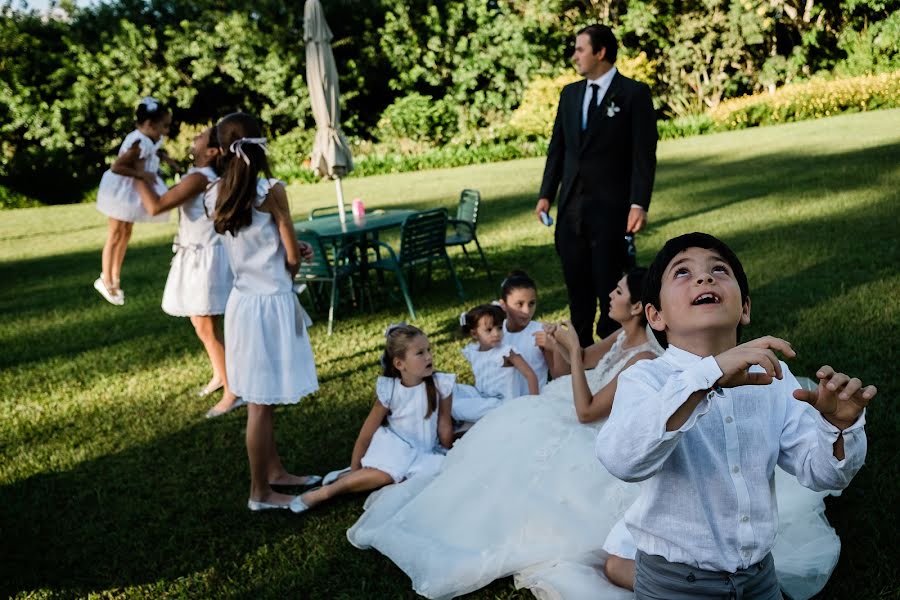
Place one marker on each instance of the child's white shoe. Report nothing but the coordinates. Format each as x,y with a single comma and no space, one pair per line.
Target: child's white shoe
115,299
334,476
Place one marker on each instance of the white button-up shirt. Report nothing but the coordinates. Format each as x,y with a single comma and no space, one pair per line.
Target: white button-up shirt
709,496
603,82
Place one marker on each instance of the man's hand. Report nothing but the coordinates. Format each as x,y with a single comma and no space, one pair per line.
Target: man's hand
735,363
148,177
637,219
543,205
839,398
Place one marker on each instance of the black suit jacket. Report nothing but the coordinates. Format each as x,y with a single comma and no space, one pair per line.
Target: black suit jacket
615,157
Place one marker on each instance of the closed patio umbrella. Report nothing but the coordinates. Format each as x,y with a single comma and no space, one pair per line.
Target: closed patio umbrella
331,153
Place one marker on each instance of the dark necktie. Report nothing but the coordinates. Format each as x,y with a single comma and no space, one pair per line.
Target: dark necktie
592,105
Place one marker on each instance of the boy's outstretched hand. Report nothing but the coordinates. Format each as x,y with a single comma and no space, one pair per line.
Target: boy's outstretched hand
735,363
839,397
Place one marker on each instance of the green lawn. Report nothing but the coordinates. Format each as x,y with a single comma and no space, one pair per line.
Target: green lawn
113,484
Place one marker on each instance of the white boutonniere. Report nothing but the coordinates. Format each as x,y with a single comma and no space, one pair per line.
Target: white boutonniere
612,109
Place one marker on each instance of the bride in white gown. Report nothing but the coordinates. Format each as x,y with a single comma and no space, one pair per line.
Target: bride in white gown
522,494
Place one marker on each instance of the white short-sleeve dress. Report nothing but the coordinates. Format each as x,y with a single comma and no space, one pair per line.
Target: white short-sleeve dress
494,383
408,444
117,196
524,345
268,354
200,277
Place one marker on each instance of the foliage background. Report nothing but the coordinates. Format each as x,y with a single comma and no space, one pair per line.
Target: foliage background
416,76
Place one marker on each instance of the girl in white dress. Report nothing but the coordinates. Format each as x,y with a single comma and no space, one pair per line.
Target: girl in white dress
408,429
268,356
518,299
522,494
118,198
200,277
494,365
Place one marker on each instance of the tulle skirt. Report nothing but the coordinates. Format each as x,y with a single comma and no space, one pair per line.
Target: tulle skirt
522,494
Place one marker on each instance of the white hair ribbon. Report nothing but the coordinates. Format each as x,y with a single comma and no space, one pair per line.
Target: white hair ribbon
462,318
150,103
392,327
236,147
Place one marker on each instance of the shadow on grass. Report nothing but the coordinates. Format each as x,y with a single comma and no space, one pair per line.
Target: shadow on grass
174,507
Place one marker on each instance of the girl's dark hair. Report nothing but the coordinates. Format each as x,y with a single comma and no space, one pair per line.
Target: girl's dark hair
397,340
469,320
237,187
143,112
674,247
516,280
635,282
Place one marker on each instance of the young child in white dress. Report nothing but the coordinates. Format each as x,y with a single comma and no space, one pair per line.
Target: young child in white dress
200,277
518,299
494,364
118,198
704,426
408,429
268,356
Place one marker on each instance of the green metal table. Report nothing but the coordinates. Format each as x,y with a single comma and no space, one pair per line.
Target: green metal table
355,230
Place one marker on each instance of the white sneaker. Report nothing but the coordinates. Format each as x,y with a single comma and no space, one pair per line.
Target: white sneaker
115,299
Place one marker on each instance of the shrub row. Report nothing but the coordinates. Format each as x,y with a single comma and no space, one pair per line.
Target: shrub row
527,136
812,99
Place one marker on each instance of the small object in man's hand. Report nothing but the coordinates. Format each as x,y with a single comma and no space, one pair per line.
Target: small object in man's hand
546,219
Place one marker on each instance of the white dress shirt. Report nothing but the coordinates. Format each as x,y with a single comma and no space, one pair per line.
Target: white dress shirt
603,82
709,496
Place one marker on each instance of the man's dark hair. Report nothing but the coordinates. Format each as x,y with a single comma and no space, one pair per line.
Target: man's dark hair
602,37
674,247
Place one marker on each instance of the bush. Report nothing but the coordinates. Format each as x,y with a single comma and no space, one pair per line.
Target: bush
813,99
875,49
289,154
535,115
12,199
418,118
686,126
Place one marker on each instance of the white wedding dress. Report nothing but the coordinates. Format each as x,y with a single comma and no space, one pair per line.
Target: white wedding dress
522,494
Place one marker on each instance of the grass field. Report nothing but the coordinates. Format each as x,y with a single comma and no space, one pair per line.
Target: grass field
112,484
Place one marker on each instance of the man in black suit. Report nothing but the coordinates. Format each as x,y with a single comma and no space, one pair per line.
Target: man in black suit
603,151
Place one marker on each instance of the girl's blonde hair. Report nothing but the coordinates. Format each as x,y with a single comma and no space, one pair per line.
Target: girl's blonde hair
397,341
237,187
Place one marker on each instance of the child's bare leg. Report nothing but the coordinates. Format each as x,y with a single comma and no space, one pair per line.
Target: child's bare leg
620,571
259,440
119,249
278,475
359,480
114,233
206,330
120,253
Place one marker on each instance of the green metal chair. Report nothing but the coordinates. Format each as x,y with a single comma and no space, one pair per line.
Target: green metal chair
422,238
464,226
321,271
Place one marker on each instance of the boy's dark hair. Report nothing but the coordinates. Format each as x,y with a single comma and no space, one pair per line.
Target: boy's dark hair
602,37
150,109
634,279
674,247
516,280
469,321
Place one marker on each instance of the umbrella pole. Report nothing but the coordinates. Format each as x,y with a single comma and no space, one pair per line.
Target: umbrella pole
340,199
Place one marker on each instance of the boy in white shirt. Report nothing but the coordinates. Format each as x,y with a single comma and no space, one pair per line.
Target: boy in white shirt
706,423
